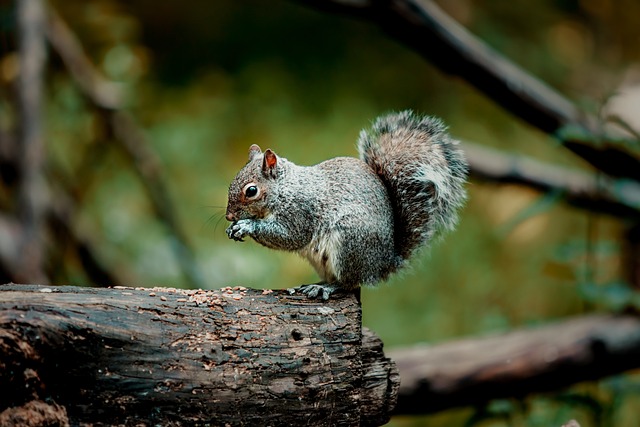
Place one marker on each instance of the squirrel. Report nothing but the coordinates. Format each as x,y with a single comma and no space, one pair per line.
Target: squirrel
355,220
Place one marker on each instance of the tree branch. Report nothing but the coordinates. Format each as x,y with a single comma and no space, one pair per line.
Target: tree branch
149,168
423,26
100,91
62,219
474,371
32,191
617,197
9,243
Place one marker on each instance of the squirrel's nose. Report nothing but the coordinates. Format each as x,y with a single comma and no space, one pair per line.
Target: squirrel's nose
230,217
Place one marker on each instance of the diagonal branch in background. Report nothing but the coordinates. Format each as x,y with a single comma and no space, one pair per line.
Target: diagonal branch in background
149,169
106,96
427,29
515,364
32,193
617,197
99,90
61,220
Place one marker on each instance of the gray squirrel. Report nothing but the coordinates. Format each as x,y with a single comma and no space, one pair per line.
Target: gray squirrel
355,220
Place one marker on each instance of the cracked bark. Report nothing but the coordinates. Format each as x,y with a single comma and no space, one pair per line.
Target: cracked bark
177,357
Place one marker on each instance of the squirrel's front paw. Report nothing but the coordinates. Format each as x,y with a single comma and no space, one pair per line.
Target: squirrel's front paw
239,229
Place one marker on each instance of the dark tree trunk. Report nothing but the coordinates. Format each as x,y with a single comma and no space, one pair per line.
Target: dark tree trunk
175,357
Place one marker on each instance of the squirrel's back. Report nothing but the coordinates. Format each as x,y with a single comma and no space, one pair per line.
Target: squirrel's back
424,171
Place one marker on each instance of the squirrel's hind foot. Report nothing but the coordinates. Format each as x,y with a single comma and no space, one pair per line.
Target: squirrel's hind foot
315,290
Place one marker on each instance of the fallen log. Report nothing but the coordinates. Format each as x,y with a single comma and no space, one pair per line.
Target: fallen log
474,371
176,357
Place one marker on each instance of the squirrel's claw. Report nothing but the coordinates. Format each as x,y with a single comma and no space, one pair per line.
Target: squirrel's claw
232,233
315,290
238,229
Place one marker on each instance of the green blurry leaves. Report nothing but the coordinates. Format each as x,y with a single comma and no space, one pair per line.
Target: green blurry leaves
123,62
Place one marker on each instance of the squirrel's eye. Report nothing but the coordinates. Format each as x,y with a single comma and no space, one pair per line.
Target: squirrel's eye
251,191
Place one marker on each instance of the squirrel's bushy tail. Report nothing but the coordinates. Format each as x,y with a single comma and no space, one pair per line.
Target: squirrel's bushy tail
424,171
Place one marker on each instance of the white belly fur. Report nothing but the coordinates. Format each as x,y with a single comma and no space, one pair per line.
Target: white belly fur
328,244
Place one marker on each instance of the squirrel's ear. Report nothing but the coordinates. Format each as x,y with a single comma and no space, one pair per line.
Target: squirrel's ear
269,163
254,151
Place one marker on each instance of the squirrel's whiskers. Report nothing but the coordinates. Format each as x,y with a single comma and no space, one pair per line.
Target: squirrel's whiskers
214,219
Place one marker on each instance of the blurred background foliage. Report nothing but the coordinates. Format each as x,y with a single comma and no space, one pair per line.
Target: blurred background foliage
205,80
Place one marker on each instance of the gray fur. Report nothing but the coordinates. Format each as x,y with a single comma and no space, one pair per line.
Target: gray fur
356,221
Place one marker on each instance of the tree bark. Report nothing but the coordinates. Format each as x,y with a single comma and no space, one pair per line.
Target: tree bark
178,357
474,371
